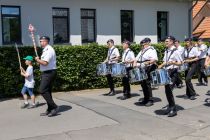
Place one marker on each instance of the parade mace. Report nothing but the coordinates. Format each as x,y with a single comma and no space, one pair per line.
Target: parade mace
16,46
32,30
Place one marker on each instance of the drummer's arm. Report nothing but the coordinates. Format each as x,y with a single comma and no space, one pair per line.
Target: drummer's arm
191,60
178,63
162,65
150,62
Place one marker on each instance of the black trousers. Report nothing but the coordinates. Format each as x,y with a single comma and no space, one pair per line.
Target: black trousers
179,79
173,73
47,79
110,82
201,74
126,83
190,91
146,84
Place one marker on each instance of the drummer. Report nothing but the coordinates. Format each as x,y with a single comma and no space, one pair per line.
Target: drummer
202,48
171,61
191,57
128,59
112,57
179,83
146,59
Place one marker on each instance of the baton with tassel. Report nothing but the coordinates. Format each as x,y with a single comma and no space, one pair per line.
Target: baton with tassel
32,29
16,46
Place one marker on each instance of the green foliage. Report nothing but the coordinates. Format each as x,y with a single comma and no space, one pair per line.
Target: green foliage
76,67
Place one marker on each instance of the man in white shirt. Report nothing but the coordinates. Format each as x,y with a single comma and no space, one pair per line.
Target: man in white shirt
48,69
128,59
113,56
171,61
191,57
147,58
180,49
203,52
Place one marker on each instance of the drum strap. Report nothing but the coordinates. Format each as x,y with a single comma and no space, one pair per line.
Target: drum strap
142,56
126,54
168,58
110,53
188,52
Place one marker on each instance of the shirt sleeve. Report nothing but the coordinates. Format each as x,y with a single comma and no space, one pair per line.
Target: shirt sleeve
117,53
164,58
178,56
203,48
138,56
132,56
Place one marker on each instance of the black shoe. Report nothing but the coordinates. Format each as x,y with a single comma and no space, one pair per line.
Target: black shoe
142,102
180,86
207,100
199,84
45,113
54,112
149,103
112,93
172,113
208,92
107,94
192,98
166,110
124,97
205,84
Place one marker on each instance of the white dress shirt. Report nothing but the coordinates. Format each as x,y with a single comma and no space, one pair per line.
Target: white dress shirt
203,51
128,55
181,51
48,55
191,52
113,53
148,53
169,56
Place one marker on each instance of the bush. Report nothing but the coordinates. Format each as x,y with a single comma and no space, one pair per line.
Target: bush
76,67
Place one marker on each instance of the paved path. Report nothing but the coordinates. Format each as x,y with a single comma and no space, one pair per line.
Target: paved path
87,115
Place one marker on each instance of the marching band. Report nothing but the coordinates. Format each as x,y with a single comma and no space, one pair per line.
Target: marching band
144,69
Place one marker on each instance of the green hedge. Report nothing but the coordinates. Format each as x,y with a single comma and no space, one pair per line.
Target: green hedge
76,67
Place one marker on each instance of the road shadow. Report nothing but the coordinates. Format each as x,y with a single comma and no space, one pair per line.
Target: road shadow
155,100
116,92
41,104
64,108
132,95
163,110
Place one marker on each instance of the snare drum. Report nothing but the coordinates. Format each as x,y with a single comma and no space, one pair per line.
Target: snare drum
103,69
118,70
160,77
183,67
207,71
137,75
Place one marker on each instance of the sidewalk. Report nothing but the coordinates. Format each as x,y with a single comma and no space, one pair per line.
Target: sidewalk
87,115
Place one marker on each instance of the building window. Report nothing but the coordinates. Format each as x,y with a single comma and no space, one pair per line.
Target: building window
127,25
88,25
60,25
11,24
162,25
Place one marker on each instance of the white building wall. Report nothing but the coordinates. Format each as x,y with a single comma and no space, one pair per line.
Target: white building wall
39,13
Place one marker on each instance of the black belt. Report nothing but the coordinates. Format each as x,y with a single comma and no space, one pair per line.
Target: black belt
49,71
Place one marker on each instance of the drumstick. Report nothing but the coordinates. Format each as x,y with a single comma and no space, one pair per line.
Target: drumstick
32,29
18,54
